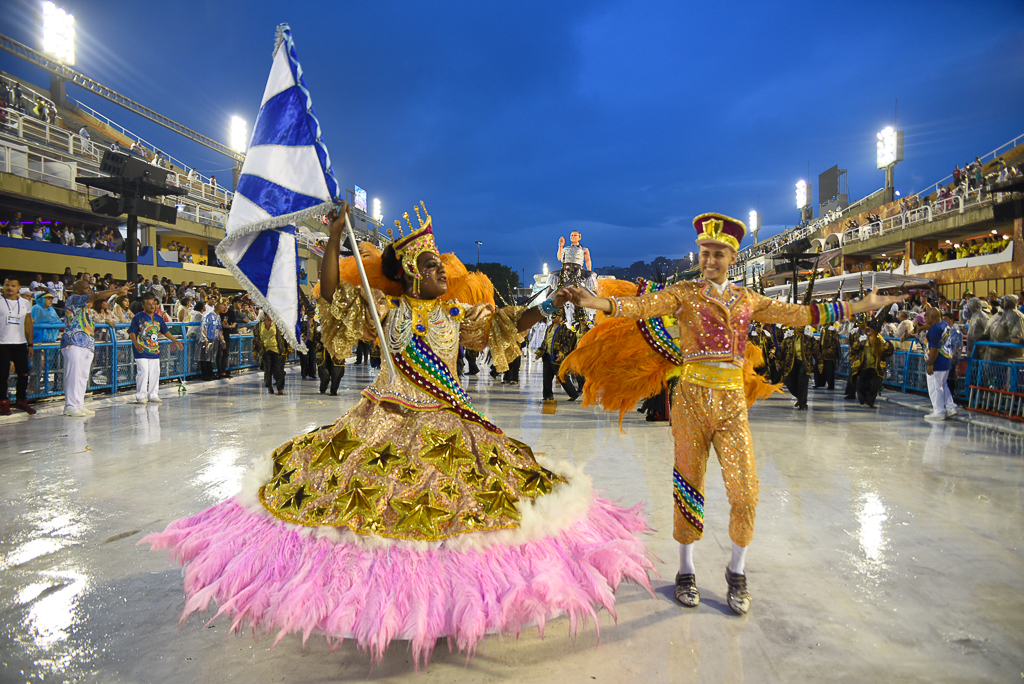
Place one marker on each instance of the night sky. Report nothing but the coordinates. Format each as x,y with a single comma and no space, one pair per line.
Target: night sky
518,122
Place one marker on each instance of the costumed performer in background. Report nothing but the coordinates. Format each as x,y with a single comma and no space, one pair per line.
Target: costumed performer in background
412,516
575,271
709,407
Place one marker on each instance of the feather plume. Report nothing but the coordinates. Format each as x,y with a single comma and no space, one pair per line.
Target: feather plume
274,578
468,288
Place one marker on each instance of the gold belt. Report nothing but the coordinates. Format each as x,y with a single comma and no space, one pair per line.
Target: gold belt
713,377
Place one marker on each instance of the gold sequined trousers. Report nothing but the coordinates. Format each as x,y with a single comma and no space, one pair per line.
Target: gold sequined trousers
702,417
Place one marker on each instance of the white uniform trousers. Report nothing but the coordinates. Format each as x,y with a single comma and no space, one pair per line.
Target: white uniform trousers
147,379
938,392
77,362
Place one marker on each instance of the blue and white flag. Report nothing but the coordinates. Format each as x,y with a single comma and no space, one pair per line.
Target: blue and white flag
286,177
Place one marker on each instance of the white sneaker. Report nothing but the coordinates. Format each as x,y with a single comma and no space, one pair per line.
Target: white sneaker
137,400
75,412
950,412
156,400
88,412
936,417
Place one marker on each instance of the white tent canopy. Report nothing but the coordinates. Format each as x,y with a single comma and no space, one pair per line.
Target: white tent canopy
850,284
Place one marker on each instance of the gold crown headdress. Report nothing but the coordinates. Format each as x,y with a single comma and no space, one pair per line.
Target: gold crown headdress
409,247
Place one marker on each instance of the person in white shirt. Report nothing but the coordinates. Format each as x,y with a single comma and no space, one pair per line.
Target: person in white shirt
37,285
55,287
15,346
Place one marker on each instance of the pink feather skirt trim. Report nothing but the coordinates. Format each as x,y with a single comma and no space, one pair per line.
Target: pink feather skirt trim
273,577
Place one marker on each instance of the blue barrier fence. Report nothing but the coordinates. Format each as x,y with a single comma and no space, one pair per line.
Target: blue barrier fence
990,380
113,366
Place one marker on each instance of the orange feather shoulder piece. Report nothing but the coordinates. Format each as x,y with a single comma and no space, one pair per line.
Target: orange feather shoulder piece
466,287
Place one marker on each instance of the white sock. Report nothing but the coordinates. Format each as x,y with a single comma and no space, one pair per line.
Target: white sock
686,560
739,558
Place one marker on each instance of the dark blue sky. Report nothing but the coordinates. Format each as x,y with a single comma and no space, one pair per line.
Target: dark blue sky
516,123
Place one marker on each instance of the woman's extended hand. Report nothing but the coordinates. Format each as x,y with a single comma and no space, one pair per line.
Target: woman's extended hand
336,216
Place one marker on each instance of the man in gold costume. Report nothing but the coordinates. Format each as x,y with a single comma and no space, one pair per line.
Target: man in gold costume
799,355
706,342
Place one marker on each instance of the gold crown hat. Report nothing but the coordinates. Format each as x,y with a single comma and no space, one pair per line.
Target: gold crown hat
719,229
409,247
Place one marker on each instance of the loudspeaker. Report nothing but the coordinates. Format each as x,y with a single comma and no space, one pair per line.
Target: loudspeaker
155,211
108,205
797,247
129,166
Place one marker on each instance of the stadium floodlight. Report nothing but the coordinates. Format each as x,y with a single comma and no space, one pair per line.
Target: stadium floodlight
378,213
802,195
238,138
545,269
754,222
58,33
889,147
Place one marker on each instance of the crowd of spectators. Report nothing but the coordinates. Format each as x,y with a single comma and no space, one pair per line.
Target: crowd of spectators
990,244
103,238
112,307
185,255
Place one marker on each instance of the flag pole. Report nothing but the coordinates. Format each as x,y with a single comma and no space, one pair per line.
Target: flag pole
385,352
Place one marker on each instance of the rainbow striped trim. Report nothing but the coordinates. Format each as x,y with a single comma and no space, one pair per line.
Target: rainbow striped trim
689,502
829,312
654,330
430,373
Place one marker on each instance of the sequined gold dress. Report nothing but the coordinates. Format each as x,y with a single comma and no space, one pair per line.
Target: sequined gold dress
412,516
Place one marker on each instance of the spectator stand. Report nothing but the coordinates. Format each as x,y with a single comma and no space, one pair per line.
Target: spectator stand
46,375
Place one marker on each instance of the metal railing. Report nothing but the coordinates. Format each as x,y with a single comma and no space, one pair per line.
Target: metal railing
150,147
995,384
927,213
63,173
201,190
26,126
934,187
113,366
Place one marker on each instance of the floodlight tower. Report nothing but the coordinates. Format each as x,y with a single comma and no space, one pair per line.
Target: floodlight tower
889,152
803,200
238,140
58,41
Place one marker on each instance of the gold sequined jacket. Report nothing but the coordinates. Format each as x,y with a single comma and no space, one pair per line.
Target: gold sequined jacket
713,327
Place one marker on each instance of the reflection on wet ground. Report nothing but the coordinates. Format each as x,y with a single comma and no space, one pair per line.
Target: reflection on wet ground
886,548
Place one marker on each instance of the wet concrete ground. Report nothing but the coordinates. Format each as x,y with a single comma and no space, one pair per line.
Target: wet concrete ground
887,549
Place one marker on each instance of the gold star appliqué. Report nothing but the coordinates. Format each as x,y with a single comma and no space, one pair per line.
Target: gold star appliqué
450,489
445,451
498,501
419,514
533,481
494,460
357,498
473,477
335,450
383,459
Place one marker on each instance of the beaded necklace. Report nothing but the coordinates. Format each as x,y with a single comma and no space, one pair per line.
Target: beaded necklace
420,329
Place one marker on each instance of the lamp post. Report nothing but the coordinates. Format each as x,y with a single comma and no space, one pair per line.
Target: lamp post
478,243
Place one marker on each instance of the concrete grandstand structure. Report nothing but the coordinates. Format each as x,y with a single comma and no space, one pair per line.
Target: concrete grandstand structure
872,235
42,156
